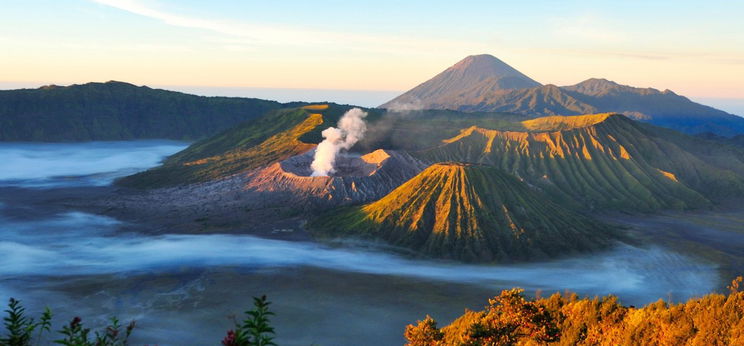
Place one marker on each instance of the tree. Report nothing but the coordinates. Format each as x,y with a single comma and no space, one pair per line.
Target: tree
425,333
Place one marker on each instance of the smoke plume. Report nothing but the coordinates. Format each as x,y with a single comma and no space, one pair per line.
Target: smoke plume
412,104
350,130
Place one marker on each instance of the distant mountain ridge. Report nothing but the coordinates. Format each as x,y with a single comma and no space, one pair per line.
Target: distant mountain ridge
119,111
471,85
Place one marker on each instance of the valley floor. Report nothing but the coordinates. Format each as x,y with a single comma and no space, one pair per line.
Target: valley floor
174,283
716,236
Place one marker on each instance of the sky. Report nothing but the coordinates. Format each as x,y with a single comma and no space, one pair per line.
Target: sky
368,51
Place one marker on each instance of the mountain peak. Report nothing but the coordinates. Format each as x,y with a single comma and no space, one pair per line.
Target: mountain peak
471,76
595,86
477,68
602,87
488,64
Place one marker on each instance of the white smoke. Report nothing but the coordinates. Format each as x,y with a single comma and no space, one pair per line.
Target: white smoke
412,104
350,130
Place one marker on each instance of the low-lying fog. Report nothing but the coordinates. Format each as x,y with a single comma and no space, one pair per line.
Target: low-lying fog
79,164
180,288
76,244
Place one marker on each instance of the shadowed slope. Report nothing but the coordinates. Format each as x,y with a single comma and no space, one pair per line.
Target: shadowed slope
602,161
119,111
472,213
662,108
537,101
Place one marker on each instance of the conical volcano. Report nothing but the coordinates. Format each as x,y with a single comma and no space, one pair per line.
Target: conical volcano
475,74
471,213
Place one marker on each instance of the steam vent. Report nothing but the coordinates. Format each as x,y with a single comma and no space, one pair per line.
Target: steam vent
347,165
357,179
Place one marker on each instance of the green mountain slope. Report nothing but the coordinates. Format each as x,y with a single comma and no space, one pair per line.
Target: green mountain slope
118,111
605,161
271,138
471,213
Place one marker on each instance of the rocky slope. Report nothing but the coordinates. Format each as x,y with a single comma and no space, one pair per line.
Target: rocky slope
358,178
268,195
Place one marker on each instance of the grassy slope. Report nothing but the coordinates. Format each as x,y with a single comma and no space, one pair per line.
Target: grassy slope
471,213
252,144
273,137
608,162
118,111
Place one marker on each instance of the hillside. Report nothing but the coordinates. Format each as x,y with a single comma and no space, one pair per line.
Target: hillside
237,150
469,212
468,86
271,138
118,111
605,161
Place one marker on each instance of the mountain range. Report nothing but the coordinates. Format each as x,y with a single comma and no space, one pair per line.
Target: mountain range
490,174
485,83
467,186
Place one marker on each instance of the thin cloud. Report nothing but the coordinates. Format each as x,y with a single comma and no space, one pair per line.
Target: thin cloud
728,58
251,34
588,27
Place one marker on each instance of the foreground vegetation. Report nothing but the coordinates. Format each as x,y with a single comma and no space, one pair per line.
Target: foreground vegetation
565,319
23,330
508,319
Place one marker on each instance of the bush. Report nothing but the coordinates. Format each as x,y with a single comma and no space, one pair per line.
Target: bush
20,328
511,319
255,330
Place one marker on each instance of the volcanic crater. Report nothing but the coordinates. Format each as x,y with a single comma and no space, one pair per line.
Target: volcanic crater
346,165
356,179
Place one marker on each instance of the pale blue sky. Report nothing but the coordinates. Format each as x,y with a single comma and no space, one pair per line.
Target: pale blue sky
694,48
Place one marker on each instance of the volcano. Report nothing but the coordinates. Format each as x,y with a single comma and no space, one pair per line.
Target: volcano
358,178
472,213
476,74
